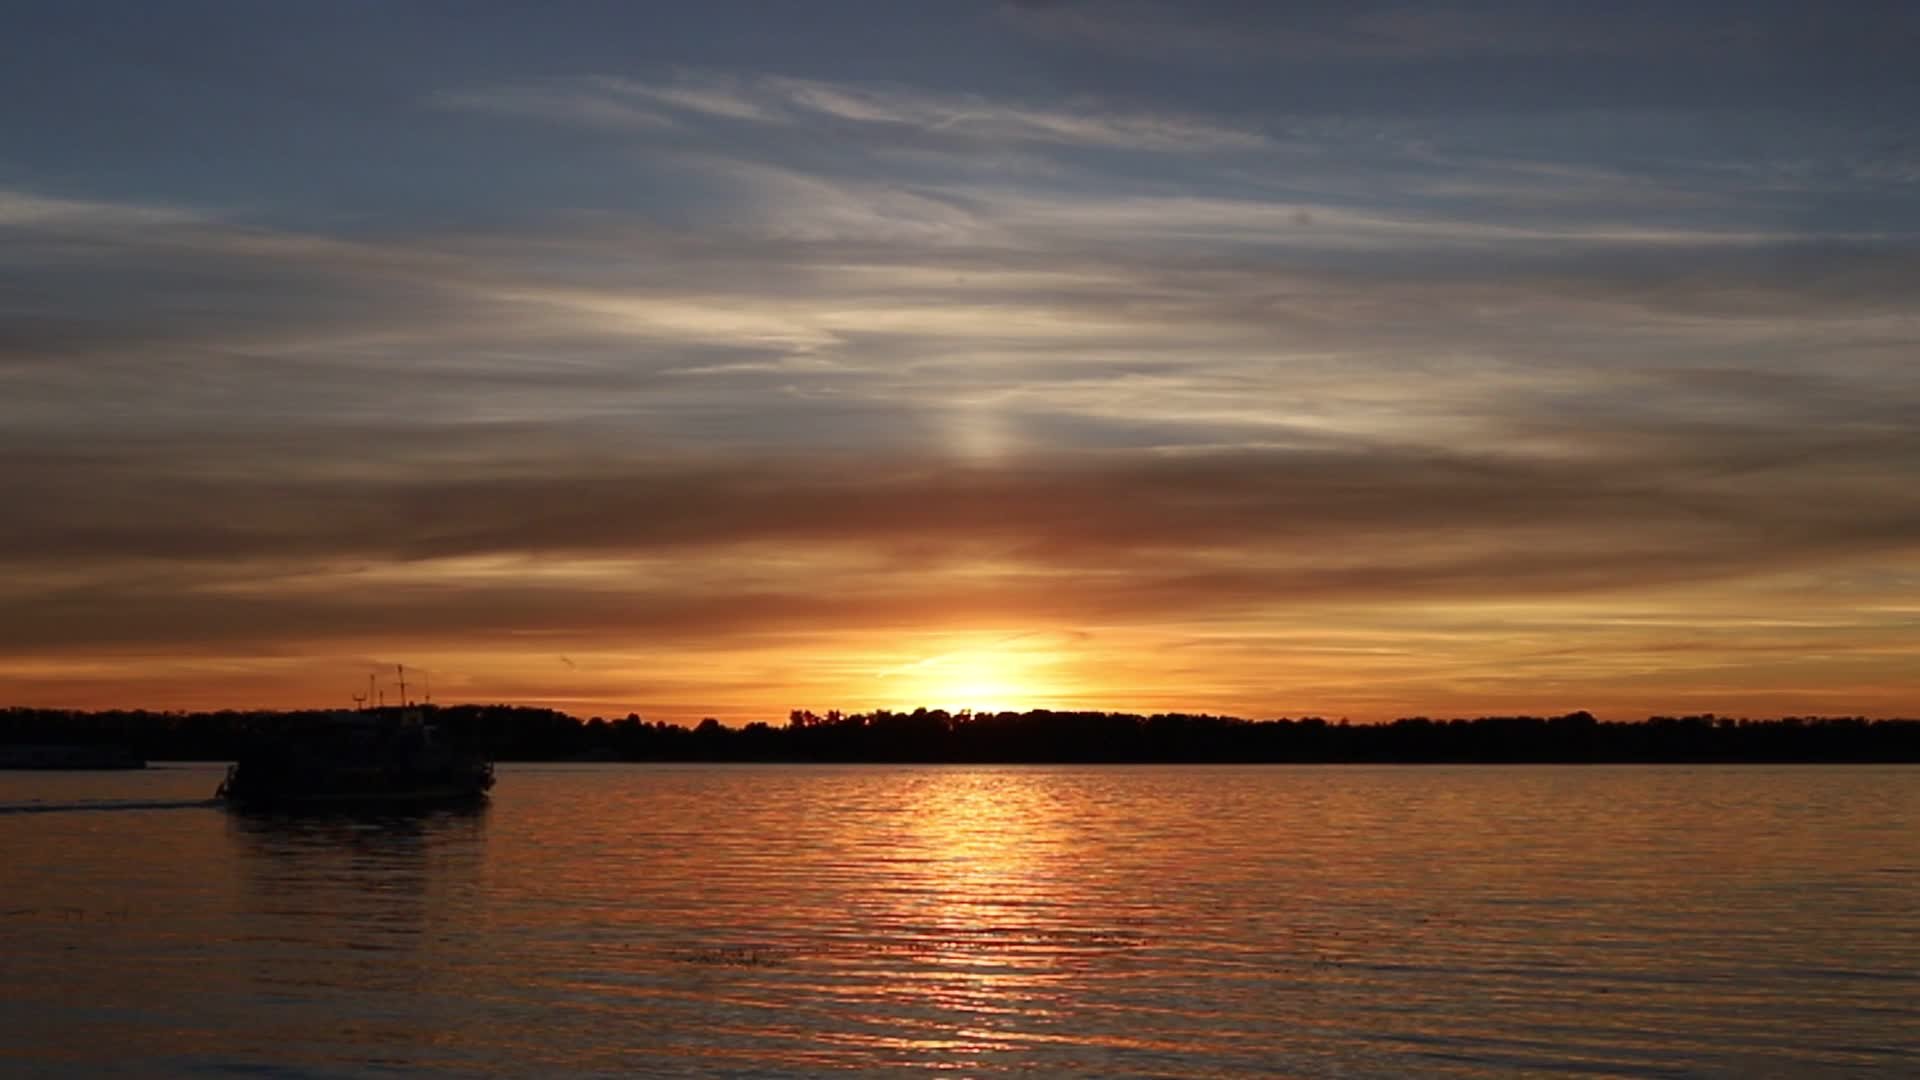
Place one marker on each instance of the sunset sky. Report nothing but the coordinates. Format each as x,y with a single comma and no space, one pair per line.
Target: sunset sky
1359,359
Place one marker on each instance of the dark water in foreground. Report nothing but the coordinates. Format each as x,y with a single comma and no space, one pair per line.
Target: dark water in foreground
1165,921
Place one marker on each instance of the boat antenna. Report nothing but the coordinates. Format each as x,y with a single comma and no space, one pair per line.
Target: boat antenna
402,670
370,678
428,676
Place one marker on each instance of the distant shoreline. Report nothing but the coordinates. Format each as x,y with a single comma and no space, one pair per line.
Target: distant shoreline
516,733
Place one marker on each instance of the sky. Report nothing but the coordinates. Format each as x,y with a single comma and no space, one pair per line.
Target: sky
1355,359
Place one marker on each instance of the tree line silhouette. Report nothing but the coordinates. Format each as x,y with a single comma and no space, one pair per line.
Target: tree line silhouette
518,733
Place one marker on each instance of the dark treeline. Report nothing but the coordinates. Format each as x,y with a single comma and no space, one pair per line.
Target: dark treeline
515,733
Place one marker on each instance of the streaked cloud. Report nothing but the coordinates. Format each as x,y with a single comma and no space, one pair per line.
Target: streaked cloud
23,209
558,103
878,111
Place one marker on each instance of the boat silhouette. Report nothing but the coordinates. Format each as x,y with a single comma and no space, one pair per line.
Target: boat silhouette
373,757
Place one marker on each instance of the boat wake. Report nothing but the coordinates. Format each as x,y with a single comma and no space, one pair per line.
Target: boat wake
102,805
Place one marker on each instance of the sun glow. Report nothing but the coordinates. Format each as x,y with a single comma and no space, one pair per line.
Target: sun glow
987,678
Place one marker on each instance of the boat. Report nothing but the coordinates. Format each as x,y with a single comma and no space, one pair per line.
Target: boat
378,758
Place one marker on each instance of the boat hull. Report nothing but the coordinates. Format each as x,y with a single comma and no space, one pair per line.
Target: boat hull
422,798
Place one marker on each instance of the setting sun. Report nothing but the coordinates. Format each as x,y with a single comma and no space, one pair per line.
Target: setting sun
986,678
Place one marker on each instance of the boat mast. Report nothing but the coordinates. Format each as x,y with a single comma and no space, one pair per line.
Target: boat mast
401,669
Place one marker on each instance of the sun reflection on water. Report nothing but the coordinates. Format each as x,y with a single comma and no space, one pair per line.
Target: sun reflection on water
983,911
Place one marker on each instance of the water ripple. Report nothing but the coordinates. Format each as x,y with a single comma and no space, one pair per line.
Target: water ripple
707,921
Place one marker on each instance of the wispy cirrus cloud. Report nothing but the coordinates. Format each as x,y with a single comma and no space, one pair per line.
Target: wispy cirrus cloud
559,103
615,102
26,209
1056,318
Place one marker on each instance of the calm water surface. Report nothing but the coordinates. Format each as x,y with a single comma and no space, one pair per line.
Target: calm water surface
1162,921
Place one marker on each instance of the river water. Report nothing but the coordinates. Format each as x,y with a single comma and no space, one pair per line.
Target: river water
1103,921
